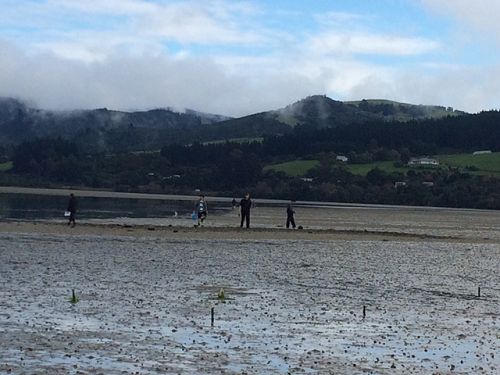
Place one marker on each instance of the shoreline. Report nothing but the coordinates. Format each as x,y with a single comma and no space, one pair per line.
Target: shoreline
172,232
88,193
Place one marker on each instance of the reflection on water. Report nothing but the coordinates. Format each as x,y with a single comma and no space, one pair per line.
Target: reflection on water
31,207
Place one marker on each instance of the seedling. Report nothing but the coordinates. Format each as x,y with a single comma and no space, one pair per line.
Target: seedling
74,299
221,296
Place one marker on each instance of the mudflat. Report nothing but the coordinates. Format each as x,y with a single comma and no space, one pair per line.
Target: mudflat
356,291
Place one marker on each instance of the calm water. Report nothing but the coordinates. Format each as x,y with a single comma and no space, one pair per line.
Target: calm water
31,207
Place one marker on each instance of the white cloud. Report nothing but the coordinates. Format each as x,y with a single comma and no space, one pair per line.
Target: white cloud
480,14
189,23
112,7
342,43
466,88
201,22
225,58
127,82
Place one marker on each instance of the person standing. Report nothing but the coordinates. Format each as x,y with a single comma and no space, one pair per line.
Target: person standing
233,202
201,209
289,216
72,205
245,205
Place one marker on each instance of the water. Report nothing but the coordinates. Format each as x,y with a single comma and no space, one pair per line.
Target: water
164,210
49,207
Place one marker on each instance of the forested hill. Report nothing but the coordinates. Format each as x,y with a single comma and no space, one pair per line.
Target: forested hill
320,112
227,168
99,130
103,130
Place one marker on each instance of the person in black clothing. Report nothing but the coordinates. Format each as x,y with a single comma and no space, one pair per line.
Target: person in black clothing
72,209
245,205
289,216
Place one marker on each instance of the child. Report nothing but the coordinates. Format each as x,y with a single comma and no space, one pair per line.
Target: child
201,209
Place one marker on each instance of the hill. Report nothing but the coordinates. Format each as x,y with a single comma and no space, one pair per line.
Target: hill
319,111
377,153
100,130
104,130
396,111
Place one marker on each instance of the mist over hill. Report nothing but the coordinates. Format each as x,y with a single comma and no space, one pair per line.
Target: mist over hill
101,129
169,152
105,130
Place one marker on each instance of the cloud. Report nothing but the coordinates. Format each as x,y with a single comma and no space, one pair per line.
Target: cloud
87,29
226,57
339,18
370,44
205,23
464,88
143,82
479,14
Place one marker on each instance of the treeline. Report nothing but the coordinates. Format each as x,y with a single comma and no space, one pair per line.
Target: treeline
451,134
459,133
229,168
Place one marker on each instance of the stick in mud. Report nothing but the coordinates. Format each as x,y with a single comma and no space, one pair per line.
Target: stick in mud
74,298
212,316
364,312
479,291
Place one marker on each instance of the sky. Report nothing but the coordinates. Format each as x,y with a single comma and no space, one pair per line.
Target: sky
235,57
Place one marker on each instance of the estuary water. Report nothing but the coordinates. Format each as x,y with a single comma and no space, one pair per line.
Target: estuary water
170,210
52,207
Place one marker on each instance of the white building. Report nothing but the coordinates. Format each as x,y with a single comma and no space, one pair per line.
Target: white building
423,162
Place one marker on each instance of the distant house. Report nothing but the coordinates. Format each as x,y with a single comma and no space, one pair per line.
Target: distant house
307,179
342,158
174,176
399,184
482,152
425,161
428,183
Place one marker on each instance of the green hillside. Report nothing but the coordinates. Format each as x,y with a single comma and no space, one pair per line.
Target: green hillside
386,166
7,166
484,164
296,168
392,110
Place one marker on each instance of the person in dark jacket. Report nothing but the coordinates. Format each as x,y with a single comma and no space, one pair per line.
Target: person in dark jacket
245,205
72,205
289,216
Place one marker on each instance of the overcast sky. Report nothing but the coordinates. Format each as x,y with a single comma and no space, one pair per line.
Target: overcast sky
240,57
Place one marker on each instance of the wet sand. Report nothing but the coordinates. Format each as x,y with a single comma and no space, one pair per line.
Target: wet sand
225,233
382,291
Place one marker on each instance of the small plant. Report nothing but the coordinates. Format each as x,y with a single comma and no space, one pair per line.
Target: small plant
221,295
74,299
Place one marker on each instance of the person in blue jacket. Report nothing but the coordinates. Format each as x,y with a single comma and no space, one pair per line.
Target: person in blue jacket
201,209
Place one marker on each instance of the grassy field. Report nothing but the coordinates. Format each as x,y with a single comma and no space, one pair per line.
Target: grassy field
485,164
387,166
235,140
294,168
4,167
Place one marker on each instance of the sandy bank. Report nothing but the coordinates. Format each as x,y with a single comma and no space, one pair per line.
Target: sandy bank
225,233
